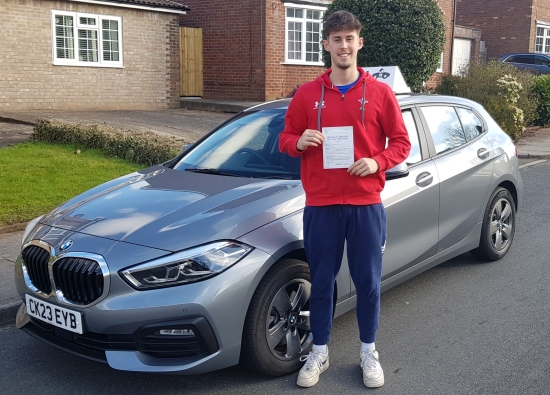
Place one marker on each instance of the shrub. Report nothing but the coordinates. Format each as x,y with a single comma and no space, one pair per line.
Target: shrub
146,148
489,84
405,33
541,89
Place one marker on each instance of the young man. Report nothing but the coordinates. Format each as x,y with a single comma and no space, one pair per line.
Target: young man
339,124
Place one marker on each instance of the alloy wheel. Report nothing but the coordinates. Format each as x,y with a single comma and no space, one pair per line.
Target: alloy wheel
288,330
501,227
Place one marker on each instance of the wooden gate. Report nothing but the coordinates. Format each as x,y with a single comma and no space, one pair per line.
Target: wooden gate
191,62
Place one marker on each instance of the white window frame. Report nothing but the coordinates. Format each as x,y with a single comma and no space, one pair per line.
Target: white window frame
303,20
99,28
440,64
545,37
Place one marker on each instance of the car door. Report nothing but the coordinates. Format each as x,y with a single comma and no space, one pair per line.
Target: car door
412,206
463,159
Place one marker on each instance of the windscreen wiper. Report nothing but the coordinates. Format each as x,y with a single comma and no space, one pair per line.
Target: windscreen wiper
214,171
278,177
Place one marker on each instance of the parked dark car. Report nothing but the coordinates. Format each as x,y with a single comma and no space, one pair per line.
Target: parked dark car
537,63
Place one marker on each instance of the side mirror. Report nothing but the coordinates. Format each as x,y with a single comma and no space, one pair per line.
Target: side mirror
186,147
399,171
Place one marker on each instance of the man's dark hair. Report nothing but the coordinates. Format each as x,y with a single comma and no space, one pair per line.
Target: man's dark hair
341,21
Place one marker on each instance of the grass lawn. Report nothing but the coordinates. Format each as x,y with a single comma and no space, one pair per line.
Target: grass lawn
36,177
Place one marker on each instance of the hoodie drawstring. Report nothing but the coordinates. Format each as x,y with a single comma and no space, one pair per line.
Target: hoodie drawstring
363,103
320,107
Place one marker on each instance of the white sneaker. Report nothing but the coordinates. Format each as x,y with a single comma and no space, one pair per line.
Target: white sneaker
316,363
373,375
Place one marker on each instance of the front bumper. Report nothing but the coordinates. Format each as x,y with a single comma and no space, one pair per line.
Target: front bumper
198,342
123,329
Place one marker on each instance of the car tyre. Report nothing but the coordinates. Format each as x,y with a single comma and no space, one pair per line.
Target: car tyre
498,228
277,329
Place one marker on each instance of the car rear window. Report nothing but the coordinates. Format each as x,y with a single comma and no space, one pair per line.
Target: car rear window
472,125
542,60
445,127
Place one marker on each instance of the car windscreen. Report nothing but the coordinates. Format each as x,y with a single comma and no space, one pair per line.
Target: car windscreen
247,146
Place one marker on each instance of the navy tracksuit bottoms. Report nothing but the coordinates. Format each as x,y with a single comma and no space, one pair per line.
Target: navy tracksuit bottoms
326,228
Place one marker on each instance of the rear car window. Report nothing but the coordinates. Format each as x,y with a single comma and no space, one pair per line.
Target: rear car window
472,125
541,60
444,126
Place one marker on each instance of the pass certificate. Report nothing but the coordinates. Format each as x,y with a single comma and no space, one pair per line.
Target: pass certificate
338,147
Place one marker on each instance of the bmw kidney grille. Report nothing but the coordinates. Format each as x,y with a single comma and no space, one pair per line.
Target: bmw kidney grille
80,280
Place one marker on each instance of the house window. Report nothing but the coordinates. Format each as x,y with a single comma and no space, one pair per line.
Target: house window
303,33
86,39
440,64
542,43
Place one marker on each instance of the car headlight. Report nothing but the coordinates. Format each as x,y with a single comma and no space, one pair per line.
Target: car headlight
186,266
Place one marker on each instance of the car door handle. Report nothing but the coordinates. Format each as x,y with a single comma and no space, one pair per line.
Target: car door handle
424,179
482,153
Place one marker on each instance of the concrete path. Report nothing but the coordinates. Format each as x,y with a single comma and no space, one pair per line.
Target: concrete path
189,124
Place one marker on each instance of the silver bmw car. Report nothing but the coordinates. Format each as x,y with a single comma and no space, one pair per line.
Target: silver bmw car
198,264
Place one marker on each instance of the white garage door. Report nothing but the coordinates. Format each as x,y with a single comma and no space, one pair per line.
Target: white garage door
461,54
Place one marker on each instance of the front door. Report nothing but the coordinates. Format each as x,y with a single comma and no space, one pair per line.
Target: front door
461,55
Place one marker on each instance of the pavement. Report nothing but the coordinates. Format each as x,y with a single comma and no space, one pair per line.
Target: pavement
195,118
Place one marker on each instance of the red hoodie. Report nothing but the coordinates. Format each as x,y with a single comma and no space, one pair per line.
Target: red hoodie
378,119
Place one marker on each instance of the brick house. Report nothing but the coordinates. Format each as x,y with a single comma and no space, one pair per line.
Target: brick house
508,25
262,49
89,54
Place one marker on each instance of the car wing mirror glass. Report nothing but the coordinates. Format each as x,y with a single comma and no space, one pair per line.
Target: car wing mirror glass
399,171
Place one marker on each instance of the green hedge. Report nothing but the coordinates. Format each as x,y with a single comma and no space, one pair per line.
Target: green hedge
144,148
483,83
405,33
541,89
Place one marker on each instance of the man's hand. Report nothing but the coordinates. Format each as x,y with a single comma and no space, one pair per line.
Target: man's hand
363,167
310,138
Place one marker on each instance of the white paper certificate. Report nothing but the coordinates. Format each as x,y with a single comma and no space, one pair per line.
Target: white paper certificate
338,147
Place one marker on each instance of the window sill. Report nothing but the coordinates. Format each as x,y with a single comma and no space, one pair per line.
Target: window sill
89,65
303,64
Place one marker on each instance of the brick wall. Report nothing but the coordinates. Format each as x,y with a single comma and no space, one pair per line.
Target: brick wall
149,79
243,48
233,46
281,79
507,25
244,44
447,6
